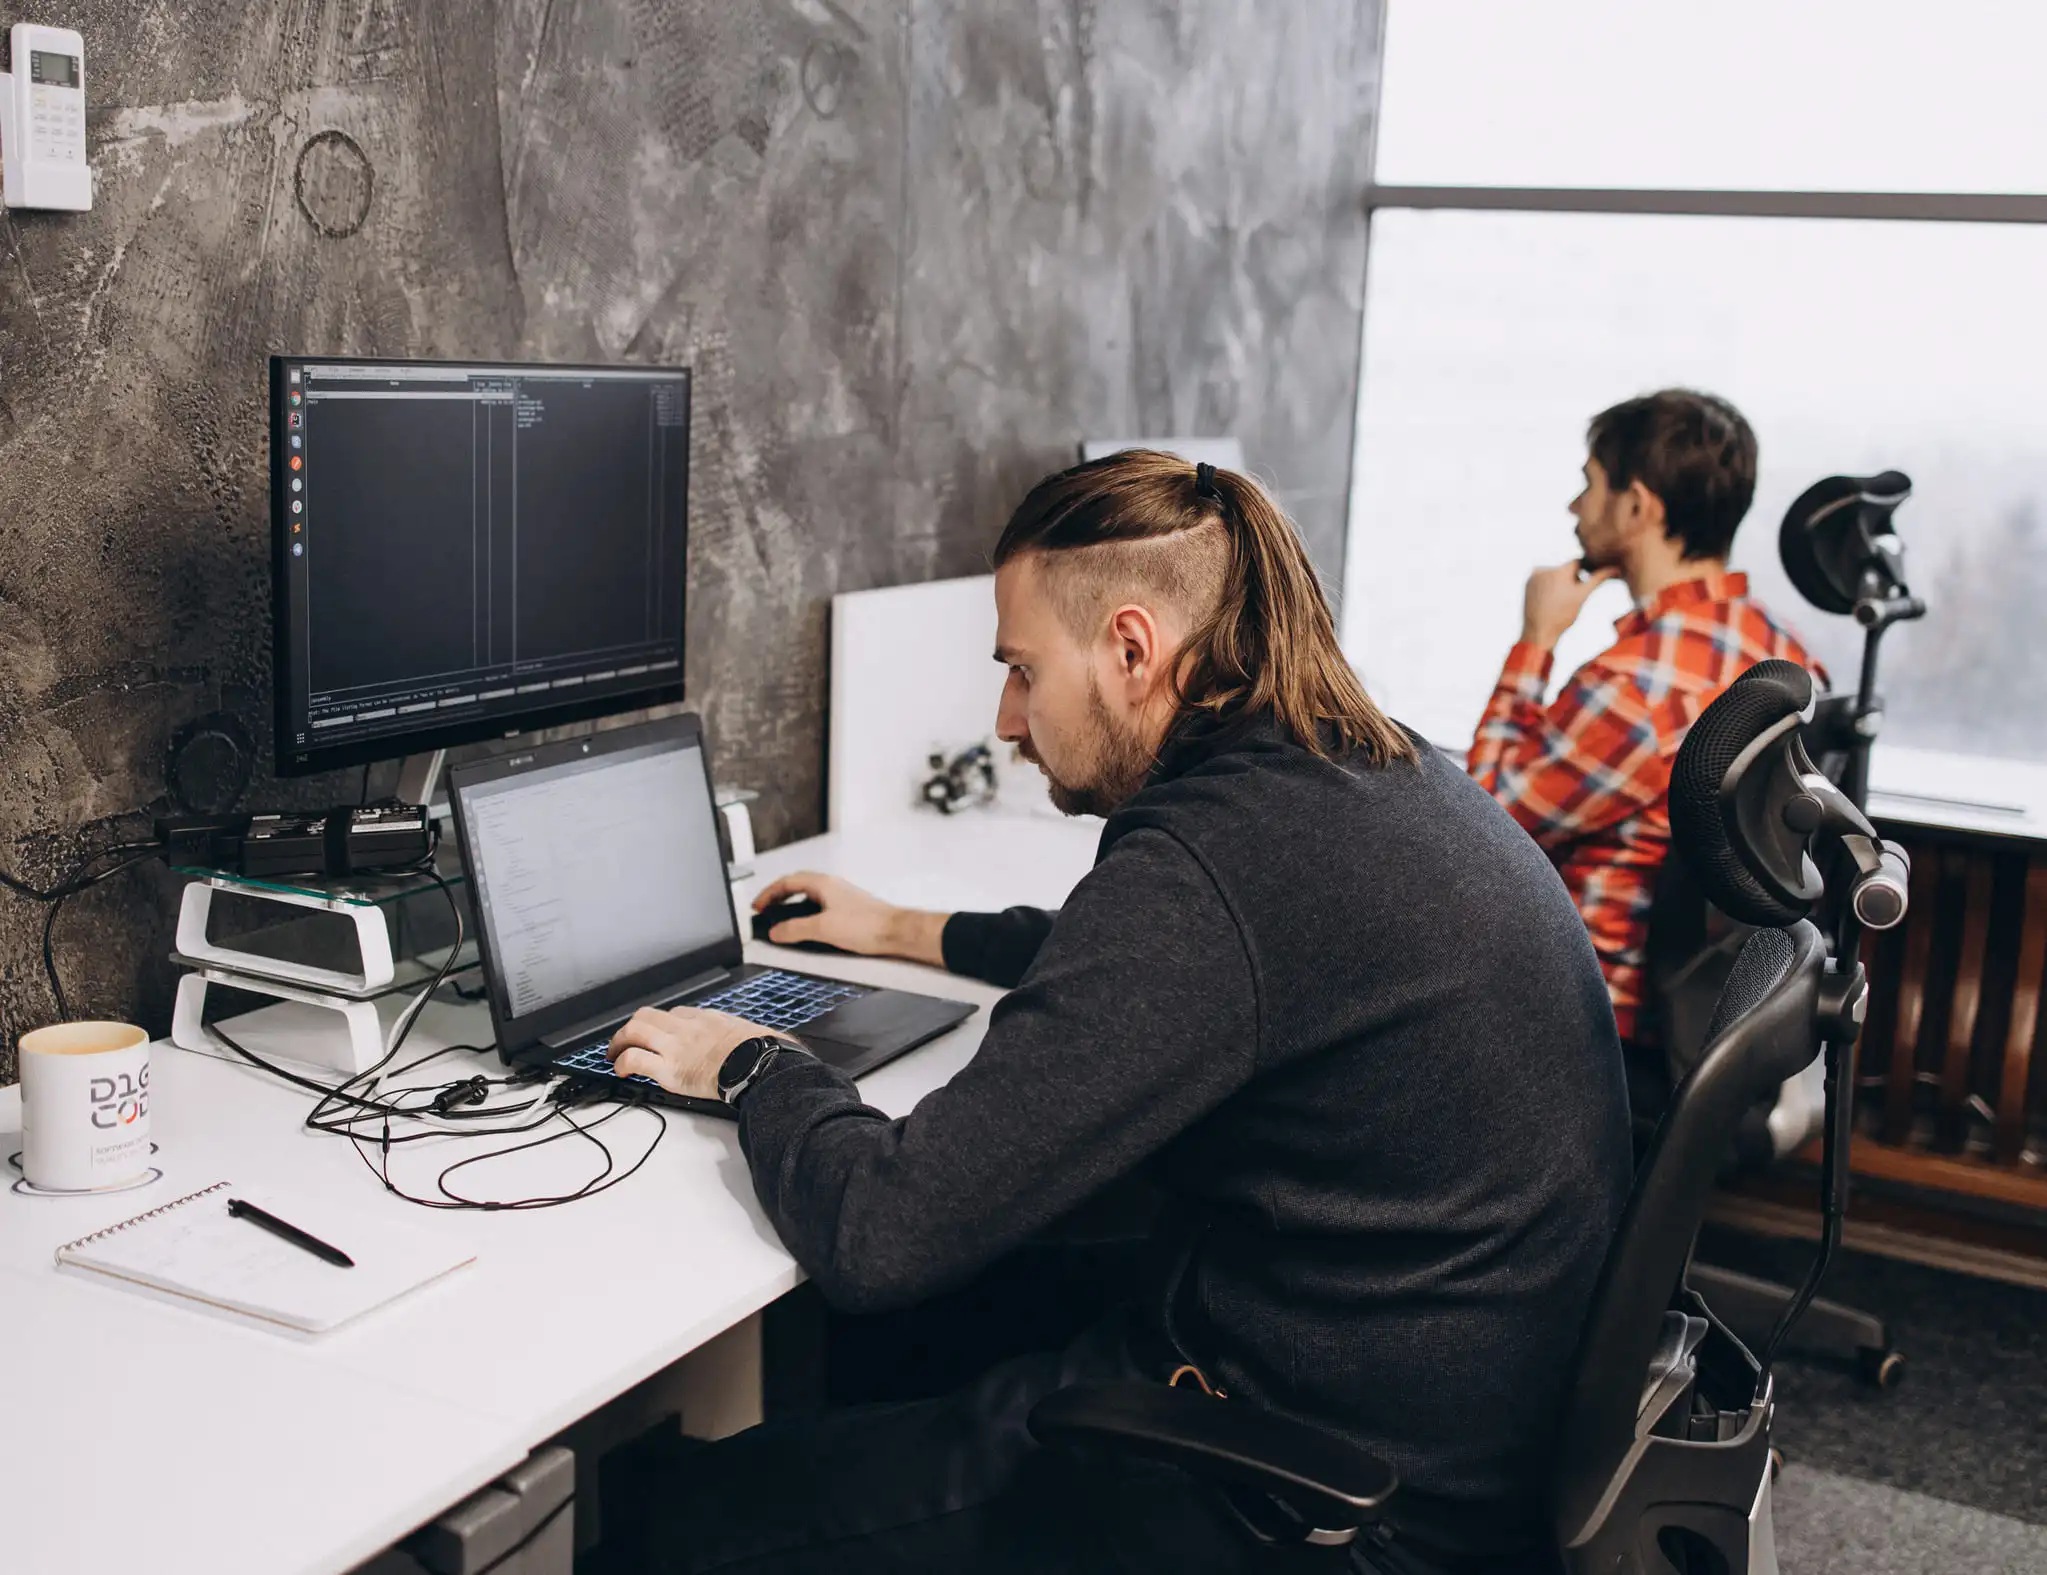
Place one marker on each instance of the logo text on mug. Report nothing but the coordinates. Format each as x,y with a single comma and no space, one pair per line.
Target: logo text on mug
119,1100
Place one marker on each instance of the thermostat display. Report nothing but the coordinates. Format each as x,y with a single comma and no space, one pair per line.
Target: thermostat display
57,70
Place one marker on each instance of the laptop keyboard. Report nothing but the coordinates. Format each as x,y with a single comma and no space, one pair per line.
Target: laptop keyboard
772,998
775,999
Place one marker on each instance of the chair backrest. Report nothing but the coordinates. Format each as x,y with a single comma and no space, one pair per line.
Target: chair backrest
1762,1033
1665,1428
1692,947
1690,955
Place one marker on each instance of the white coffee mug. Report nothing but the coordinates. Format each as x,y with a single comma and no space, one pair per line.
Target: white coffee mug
84,1106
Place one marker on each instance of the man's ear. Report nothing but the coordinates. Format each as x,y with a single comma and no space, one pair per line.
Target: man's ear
1138,642
1642,510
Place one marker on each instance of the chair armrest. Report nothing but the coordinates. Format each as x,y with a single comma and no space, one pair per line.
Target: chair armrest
1327,1481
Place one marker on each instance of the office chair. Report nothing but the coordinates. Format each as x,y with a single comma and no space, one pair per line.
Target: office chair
1840,550
1662,1457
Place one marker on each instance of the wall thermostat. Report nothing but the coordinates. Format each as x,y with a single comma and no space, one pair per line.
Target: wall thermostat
42,121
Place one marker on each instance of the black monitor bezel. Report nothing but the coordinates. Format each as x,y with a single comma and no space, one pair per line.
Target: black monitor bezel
515,1035
287,761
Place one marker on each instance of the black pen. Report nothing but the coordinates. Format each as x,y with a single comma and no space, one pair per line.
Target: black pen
291,1233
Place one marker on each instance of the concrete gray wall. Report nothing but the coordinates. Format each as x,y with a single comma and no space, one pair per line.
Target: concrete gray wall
913,250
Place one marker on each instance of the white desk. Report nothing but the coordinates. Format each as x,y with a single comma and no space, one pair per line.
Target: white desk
223,1448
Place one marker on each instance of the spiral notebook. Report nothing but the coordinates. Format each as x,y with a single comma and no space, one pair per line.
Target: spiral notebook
193,1248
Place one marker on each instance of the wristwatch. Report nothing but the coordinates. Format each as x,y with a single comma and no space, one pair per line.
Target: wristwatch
749,1059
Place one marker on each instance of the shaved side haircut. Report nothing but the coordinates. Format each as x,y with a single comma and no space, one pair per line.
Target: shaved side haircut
1147,526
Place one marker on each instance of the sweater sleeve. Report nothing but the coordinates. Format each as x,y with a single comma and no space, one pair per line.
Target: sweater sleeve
1137,1018
1591,758
997,948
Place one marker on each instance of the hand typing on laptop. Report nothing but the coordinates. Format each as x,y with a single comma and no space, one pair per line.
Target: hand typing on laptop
568,956
681,1048
854,920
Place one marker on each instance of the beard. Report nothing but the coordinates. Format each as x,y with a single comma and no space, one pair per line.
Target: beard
1606,556
1119,763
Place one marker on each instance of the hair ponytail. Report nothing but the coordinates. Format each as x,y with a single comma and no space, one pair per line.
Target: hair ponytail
1268,646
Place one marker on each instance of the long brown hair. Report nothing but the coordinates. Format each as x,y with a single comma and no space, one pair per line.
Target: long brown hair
1268,646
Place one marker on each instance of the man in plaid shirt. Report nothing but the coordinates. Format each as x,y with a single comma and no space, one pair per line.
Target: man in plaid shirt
1668,478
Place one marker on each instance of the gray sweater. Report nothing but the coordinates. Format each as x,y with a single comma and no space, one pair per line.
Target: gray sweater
1350,1023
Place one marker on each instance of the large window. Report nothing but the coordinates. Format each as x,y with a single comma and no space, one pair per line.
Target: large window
1811,95
1497,321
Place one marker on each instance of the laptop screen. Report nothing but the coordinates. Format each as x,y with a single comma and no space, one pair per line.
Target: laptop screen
595,869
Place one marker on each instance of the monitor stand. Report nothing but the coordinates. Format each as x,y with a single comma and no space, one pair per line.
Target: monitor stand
419,776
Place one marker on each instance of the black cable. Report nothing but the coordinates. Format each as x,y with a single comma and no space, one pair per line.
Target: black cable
326,1117
76,881
340,1110
591,1188
368,1110
322,1117
488,1205
436,1106
83,878
79,880
603,1181
433,1055
379,1109
411,1013
50,960
363,799
407,1018
333,1091
56,899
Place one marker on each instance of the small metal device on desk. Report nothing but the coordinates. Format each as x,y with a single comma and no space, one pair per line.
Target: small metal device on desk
962,782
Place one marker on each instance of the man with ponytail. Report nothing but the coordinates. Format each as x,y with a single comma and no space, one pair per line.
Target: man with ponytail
1319,991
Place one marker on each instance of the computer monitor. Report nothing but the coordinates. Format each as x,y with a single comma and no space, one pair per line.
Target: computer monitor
470,549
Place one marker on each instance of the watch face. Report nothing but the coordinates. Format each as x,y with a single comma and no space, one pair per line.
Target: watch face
742,1063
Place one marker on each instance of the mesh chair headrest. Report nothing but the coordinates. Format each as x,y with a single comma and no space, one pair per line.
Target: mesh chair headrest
1701,822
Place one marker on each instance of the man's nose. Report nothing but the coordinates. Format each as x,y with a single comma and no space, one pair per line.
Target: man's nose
1010,726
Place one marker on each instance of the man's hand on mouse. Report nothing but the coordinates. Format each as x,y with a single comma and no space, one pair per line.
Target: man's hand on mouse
1554,598
854,920
681,1049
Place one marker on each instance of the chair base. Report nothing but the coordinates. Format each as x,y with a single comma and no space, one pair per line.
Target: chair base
1750,1308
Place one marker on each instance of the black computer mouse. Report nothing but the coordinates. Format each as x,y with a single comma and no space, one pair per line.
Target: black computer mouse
789,908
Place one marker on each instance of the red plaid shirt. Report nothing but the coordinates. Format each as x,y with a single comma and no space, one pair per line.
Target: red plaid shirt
1589,775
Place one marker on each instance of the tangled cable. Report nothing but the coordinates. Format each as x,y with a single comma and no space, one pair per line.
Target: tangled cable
344,1108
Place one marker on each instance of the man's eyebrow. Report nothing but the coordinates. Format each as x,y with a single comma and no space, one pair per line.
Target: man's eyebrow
1008,655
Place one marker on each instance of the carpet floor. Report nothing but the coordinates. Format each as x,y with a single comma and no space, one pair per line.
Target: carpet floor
1835,1525
1969,1423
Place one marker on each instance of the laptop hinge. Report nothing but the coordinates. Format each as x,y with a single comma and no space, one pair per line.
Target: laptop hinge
618,1014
